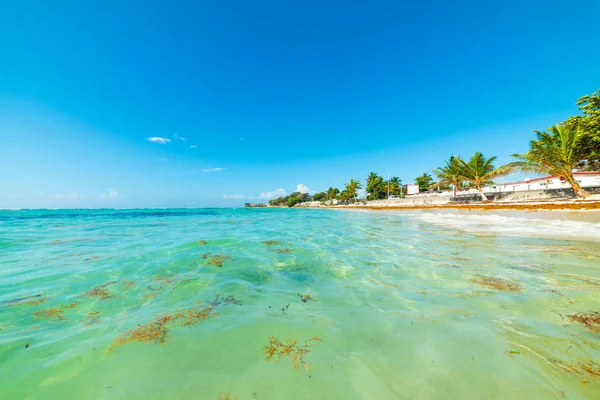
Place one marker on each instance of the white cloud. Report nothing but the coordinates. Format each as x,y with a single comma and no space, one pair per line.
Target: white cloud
112,193
271,195
303,189
235,196
213,169
193,147
158,140
164,159
179,137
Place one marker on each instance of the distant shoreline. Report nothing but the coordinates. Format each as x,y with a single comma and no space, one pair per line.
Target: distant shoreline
534,206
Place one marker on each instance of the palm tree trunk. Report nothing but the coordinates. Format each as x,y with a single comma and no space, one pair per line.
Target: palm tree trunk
576,188
483,196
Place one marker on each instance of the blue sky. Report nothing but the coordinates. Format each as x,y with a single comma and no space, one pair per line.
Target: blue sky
271,95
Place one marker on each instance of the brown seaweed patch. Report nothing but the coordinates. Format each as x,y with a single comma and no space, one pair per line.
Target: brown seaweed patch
496,283
305,297
155,331
271,242
216,260
32,300
50,313
92,318
202,242
585,369
127,284
283,251
54,312
192,317
101,292
291,349
589,320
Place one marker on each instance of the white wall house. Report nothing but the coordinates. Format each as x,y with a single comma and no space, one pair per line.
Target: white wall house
585,179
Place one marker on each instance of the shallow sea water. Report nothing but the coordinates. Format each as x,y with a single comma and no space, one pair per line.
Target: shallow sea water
396,300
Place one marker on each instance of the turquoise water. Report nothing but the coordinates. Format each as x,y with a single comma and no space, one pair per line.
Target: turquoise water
397,301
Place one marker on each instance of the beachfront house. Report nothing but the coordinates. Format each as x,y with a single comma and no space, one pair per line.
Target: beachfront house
585,179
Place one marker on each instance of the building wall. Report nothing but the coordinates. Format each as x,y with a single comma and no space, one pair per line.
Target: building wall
585,180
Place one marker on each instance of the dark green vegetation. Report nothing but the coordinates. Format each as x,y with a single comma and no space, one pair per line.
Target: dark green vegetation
568,145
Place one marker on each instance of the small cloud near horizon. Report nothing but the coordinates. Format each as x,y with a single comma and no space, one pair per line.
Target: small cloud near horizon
193,147
179,137
213,169
271,195
164,159
158,140
235,196
302,188
112,193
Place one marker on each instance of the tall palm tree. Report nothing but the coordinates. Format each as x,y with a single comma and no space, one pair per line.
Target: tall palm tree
331,193
450,173
395,185
352,187
554,153
480,170
375,186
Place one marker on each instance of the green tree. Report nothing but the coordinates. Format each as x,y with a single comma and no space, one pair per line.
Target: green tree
554,153
424,181
480,171
292,201
395,186
450,173
332,194
352,189
587,150
319,196
376,187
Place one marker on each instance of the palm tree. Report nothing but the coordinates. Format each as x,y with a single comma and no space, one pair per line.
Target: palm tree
450,173
424,181
331,193
375,185
395,185
352,187
554,153
480,170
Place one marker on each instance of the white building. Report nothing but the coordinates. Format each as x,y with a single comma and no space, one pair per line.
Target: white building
585,179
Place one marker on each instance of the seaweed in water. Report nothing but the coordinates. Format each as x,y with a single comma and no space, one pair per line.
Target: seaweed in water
305,297
127,284
155,331
54,312
215,260
32,300
101,292
92,317
291,349
191,317
284,251
586,368
225,300
202,242
590,320
496,283
271,242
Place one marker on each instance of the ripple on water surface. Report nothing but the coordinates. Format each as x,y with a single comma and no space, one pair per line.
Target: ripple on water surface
297,304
